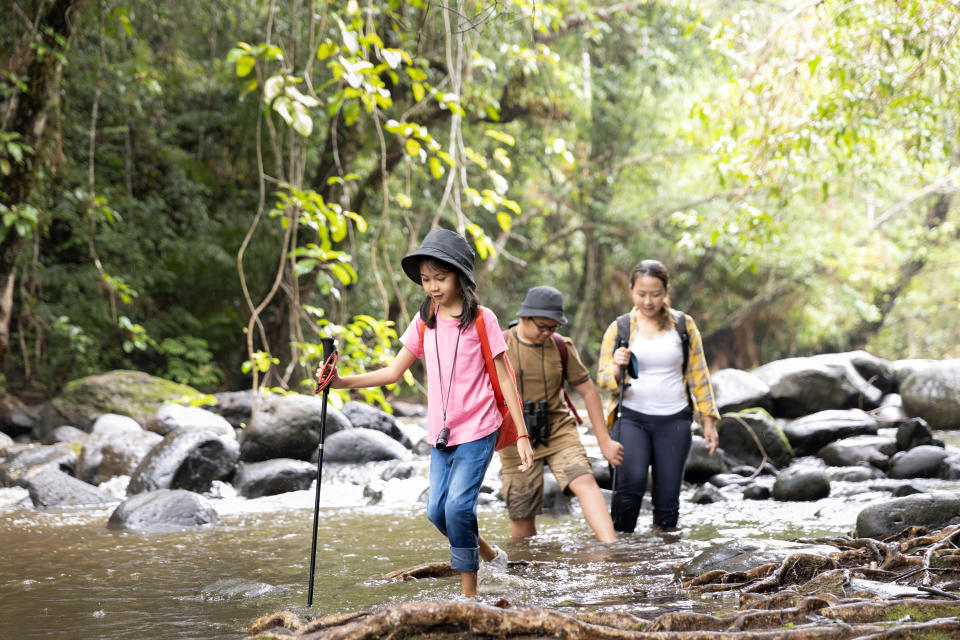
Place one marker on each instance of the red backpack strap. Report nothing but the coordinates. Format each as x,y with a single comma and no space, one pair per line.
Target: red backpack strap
564,354
488,358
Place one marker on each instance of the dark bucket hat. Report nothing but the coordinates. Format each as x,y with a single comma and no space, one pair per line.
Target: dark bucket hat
443,245
545,302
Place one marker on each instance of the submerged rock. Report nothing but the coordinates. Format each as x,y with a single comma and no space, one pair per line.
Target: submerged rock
930,510
700,464
707,494
280,475
185,459
743,555
52,488
809,434
875,450
163,510
801,483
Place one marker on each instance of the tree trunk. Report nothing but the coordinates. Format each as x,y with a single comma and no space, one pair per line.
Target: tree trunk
28,119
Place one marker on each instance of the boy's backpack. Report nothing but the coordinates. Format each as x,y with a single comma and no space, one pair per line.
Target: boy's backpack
564,355
507,433
623,333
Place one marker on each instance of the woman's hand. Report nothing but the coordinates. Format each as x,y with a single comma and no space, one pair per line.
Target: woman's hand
526,454
621,357
612,451
710,434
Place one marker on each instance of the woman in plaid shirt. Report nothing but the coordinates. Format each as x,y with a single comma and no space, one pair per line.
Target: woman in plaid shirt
660,399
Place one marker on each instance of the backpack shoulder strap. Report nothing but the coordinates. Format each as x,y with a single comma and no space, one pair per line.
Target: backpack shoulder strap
681,324
488,357
562,348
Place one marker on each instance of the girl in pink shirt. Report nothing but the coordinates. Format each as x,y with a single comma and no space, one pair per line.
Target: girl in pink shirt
462,412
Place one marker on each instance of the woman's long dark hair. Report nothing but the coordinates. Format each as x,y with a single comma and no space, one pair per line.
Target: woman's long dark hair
468,290
655,269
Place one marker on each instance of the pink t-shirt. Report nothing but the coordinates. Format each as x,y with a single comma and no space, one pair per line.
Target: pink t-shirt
472,409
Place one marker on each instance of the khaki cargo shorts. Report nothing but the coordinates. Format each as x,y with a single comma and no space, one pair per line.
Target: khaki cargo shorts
523,491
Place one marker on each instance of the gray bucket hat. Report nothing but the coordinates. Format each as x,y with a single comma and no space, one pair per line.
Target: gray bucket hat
443,245
545,302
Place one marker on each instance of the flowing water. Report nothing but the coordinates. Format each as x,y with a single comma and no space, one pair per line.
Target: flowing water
64,575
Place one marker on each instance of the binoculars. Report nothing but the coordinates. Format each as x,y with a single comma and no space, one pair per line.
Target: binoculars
443,438
538,425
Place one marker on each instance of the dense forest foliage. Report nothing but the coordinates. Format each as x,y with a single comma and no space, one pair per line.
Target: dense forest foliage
201,190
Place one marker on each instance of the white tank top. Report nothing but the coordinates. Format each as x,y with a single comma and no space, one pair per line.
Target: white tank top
659,391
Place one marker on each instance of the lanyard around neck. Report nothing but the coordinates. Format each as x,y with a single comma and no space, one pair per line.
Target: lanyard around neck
543,368
445,402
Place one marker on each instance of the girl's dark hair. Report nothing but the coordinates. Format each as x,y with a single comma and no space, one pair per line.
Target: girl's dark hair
471,303
655,269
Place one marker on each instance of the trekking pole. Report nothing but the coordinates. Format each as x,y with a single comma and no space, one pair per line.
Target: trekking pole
323,384
616,425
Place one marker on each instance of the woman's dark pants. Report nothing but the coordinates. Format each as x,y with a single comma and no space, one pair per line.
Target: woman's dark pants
660,442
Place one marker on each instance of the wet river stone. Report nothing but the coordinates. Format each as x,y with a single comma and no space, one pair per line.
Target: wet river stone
858,473
920,462
66,434
163,510
740,446
53,488
707,494
121,456
809,434
700,464
743,555
5,441
930,510
185,459
801,483
107,428
288,426
933,394
172,416
950,468
16,418
875,450
756,492
366,417
362,445
236,407
913,433
19,466
280,475
736,390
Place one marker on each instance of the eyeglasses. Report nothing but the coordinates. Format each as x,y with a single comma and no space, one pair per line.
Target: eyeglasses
545,328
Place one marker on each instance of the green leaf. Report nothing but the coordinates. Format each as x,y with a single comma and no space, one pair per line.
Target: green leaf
245,65
505,138
413,147
504,220
340,272
404,200
418,91
326,49
435,167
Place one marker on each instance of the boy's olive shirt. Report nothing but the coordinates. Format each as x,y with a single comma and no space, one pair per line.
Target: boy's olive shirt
526,359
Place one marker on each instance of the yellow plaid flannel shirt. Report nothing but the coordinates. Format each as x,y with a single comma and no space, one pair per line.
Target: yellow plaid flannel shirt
696,379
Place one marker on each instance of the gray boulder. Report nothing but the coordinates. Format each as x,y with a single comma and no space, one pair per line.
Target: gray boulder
407,409
920,462
236,407
20,466
876,372
107,428
128,393
185,459
280,475
707,494
288,426
5,441
701,465
950,468
756,492
16,418
601,472
913,433
736,390
890,412
858,473
727,479
801,483
14,498
875,450
163,511
811,433
53,488
121,456
171,416
930,510
362,445
364,416
903,369
744,554
933,393
737,431
398,471
801,386
66,434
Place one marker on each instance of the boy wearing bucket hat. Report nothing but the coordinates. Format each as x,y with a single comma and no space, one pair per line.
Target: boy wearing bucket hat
544,362
463,349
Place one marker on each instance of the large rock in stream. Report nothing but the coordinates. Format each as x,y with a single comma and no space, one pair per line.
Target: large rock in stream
701,466
50,488
164,510
288,426
16,418
933,393
801,483
920,462
129,393
736,390
811,433
171,416
366,417
109,428
362,445
801,386
18,467
186,459
930,510
236,407
740,432
280,475
874,450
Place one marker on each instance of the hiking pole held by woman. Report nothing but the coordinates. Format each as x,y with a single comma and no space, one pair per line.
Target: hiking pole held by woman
324,378
616,425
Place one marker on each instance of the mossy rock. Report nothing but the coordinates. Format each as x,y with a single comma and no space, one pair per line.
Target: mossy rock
127,393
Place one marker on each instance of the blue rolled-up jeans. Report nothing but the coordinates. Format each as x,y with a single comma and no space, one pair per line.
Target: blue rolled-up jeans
661,443
456,475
